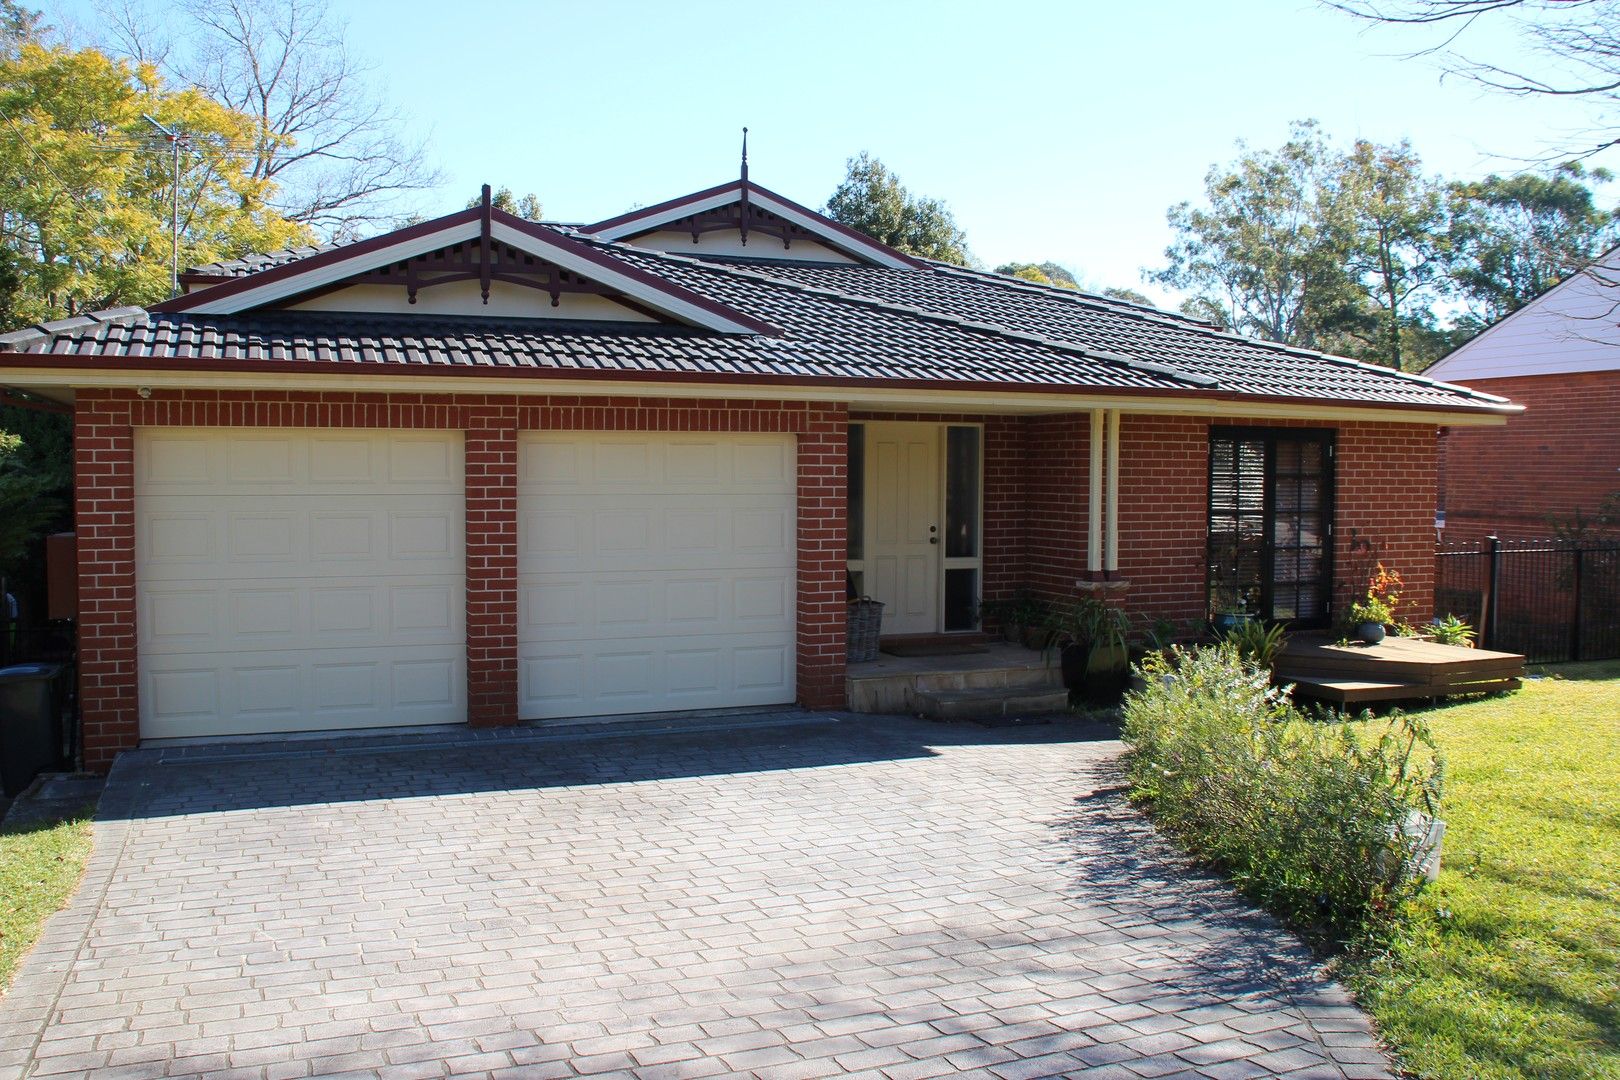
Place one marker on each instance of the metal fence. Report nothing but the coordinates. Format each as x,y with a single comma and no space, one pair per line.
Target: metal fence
1553,601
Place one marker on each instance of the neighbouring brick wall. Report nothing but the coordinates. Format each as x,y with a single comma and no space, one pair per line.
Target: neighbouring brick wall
104,506
1561,455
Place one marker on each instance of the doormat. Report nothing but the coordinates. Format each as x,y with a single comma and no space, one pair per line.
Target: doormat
932,647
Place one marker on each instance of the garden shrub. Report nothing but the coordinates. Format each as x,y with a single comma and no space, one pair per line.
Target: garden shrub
1304,812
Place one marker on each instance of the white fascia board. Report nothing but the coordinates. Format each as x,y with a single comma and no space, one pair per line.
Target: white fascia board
606,275
334,272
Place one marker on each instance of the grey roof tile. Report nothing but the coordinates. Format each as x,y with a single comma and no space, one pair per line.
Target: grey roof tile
942,324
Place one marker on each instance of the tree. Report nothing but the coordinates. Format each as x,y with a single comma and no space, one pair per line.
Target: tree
1514,237
1129,296
18,26
872,200
1575,43
323,133
85,195
1046,273
1397,219
1269,251
526,206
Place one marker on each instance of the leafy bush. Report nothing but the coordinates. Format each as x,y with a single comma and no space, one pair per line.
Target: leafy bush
1256,643
1306,814
1451,630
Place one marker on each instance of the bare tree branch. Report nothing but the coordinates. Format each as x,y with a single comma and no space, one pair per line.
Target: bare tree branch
1574,48
327,137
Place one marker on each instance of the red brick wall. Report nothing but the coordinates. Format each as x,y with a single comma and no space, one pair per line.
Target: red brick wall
104,473
1561,455
1057,463
1163,515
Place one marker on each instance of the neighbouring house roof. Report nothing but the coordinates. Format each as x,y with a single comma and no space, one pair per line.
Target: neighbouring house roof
754,320
1573,327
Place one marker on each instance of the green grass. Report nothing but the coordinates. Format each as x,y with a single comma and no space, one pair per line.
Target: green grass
1511,965
39,868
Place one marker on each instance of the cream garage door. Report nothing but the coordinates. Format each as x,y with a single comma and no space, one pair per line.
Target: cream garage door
298,580
656,572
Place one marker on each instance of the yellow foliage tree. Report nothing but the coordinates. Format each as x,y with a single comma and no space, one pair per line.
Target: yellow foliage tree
86,184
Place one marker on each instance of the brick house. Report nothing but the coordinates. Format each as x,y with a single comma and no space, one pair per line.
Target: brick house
486,470
1559,357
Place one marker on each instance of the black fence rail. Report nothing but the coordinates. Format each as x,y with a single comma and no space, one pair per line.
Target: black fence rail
1553,601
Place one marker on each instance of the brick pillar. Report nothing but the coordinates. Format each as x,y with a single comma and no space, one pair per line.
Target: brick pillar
823,557
492,605
104,518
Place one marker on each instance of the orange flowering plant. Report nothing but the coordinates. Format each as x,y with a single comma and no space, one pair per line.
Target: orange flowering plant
1383,597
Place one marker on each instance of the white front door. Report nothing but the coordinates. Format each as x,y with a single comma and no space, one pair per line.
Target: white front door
903,524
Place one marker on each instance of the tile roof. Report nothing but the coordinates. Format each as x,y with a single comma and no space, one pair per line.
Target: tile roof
941,324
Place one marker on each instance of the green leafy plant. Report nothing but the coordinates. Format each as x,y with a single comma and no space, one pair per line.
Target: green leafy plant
1452,630
1160,635
1257,643
1309,815
1090,623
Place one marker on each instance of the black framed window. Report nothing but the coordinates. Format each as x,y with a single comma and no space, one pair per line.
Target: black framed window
1271,524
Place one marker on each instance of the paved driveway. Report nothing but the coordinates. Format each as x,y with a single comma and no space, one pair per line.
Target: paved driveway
883,897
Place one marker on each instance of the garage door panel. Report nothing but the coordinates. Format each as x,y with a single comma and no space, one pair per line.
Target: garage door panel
296,580
244,615
655,571
610,605
650,675
300,690
693,532
272,462
357,535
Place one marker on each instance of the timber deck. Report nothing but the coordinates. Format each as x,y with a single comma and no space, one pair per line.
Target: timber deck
1395,669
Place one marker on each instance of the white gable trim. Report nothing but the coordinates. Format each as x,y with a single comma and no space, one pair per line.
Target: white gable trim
813,223
330,274
281,285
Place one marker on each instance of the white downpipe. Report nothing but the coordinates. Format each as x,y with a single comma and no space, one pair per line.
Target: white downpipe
1094,531
1112,505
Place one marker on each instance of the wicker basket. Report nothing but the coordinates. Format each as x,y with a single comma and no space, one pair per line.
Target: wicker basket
865,621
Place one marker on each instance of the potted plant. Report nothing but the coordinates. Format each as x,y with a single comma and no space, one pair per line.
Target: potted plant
1227,606
1021,618
1088,637
1372,614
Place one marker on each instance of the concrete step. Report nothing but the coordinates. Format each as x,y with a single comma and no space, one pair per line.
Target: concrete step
991,704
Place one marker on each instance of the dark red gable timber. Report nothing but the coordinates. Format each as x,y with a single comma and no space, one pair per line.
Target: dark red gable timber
859,239
484,216
314,262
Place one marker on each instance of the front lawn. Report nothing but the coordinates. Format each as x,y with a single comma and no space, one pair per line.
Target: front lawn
39,867
1511,964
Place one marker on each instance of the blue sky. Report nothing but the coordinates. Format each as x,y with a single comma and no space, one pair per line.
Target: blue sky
1053,130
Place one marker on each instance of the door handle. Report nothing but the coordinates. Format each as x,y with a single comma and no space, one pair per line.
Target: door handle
933,539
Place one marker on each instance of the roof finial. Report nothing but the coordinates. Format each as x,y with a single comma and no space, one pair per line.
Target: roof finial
486,195
745,156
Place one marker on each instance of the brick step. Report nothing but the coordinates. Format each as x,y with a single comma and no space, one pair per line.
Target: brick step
992,704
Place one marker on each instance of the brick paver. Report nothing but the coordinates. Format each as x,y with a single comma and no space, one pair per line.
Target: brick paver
871,897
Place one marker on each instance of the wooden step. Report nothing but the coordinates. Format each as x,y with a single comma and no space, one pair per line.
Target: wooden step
995,703
1333,687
